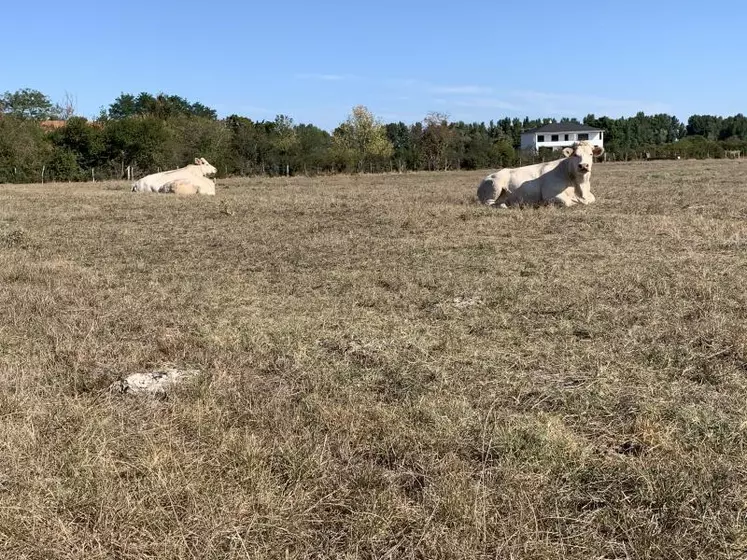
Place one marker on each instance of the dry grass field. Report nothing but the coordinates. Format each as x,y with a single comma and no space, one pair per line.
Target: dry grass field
388,370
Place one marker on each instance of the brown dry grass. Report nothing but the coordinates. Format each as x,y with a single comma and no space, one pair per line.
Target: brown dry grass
390,370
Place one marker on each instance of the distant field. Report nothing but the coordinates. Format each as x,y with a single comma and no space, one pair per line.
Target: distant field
390,370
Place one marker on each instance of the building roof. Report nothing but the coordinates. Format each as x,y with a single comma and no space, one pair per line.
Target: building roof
563,127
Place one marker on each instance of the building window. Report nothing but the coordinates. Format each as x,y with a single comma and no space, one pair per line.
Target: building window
566,138
540,138
583,136
554,138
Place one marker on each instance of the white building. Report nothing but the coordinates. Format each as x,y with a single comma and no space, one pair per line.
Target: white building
560,135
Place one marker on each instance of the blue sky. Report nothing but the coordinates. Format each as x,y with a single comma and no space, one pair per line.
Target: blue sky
474,60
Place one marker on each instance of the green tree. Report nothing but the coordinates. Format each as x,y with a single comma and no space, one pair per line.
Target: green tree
24,149
188,137
63,166
510,128
708,126
403,149
437,140
314,146
123,107
78,137
137,142
505,153
479,151
284,142
29,104
244,145
361,142
734,128
161,106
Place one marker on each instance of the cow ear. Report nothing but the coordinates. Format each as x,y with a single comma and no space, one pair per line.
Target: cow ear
597,151
197,161
567,152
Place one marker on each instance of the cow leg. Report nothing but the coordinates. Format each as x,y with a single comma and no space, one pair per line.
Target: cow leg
583,200
184,188
501,201
558,201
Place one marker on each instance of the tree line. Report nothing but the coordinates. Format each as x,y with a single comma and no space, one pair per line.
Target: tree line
144,133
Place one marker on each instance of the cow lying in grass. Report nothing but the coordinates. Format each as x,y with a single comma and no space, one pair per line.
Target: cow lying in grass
565,181
191,179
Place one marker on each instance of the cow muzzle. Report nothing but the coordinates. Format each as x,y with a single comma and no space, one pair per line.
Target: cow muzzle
583,168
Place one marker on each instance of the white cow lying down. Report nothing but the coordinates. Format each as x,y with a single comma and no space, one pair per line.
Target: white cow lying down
565,181
191,179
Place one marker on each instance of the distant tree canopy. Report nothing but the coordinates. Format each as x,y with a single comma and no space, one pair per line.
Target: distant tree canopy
29,104
160,106
147,132
627,135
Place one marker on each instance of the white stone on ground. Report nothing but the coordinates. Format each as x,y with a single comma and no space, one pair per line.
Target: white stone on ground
156,382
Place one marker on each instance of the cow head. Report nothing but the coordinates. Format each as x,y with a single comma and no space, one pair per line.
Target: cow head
205,167
581,158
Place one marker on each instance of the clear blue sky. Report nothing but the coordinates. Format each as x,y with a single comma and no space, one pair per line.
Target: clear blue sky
315,60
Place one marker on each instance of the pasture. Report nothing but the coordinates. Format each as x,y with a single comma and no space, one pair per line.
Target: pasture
389,369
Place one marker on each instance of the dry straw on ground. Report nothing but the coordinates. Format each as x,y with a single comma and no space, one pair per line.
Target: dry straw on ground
388,370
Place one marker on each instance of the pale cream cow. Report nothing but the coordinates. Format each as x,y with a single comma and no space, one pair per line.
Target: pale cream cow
189,185
566,181
156,181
